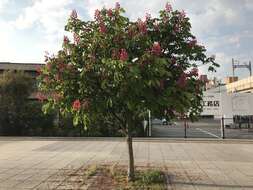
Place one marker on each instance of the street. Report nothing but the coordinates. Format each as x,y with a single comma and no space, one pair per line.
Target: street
201,129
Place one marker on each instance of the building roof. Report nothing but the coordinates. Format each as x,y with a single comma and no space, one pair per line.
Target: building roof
218,89
20,66
244,85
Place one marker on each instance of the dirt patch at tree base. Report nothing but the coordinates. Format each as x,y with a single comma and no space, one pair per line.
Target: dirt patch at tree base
109,177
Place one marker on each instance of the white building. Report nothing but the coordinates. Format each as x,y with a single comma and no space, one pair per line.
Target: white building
233,99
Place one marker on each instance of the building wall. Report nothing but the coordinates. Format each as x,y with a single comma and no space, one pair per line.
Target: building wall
244,85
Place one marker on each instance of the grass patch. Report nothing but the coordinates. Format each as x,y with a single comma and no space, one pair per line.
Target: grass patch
115,178
91,171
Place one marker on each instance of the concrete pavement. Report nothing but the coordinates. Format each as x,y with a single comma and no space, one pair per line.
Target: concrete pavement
35,163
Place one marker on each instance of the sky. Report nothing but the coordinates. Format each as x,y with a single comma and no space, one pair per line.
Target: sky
28,28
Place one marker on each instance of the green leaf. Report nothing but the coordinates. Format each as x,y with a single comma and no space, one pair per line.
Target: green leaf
46,108
85,121
76,120
109,102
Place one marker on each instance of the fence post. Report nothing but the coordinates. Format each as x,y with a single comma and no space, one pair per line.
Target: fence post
222,128
150,124
185,136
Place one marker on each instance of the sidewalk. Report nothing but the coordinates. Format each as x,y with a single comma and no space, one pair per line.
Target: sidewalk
30,163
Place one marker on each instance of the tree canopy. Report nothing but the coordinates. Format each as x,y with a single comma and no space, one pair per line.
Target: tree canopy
119,66
116,66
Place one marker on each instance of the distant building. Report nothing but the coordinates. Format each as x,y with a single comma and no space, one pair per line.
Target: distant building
232,85
203,78
233,99
241,86
229,80
29,68
209,83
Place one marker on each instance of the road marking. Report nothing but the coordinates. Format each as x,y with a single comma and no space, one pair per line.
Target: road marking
207,132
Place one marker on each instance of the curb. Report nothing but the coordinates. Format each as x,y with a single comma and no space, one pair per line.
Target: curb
144,139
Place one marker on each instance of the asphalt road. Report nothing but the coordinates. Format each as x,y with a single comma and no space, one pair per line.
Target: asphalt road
200,129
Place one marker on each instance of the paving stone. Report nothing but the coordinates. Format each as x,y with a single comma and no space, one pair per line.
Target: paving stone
44,164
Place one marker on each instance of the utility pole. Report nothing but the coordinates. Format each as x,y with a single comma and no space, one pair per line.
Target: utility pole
236,65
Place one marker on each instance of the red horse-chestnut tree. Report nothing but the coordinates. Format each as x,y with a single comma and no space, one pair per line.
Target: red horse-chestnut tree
123,68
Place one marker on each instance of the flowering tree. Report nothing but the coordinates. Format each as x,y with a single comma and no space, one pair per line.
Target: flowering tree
123,68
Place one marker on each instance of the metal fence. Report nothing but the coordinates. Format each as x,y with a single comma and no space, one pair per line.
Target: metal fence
238,127
220,128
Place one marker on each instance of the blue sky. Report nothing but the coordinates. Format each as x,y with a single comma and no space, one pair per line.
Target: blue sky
28,28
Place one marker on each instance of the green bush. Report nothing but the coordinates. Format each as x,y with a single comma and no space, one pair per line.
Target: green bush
15,88
36,123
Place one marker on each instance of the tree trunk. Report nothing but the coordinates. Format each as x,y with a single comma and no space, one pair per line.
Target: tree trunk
130,173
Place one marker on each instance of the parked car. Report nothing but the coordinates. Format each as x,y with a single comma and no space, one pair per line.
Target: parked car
165,122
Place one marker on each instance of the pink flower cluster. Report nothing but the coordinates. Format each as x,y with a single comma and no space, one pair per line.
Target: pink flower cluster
168,7
182,14
76,38
142,26
65,40
56,96
61,67
46,79
110,13
176,28
147,17
73,14
102,28
97,15
156,49
38,70
123,56
117,6
131,31
194,72
76,105
49,66
41,96
192,43
182,81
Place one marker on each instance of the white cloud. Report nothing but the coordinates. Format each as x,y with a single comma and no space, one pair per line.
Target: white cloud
249,4
134,9
47,19
3,4
51,15
5,37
